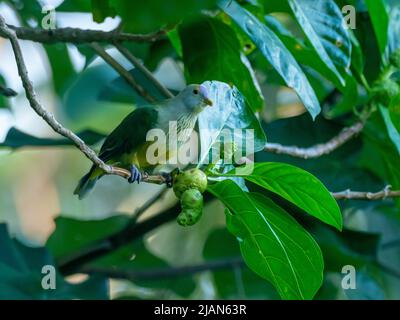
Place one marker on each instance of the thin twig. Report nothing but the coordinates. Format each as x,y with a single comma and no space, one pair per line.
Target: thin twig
76,35
136,62
49,117
360,195
171,272
122,71
7,92
319,149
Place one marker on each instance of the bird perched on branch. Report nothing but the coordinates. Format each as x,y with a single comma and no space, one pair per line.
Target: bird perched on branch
126,145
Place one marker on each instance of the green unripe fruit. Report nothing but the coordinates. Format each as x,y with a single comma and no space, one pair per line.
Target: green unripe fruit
192,199
395,59
385,91
192,207
189,217
190,179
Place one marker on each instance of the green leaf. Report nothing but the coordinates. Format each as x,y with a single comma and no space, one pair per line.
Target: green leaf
173,37
63,72
394,30
379,155
101,9
392,131
152,14
118,90
22,264
229,113
17,139
394,110
4,103
272,243
297,186
348,247
28,10
380,22
349,100
75,6
275,52
73,235
210,48
317,19
236,283
304,55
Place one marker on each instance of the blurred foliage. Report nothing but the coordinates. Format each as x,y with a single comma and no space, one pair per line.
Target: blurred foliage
262,61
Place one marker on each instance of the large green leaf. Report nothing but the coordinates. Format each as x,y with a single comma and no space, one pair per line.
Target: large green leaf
275,52
272,243
229,114
17,139
21,274
393,30
62,70
304,54
394,111
297,186
380,22
392,131
152,14
322,23
238,282
379,155
338,170
210,49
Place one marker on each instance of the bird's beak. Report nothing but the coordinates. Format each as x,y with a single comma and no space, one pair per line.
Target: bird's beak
208,102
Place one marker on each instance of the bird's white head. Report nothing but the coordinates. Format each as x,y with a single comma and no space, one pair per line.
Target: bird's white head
195,98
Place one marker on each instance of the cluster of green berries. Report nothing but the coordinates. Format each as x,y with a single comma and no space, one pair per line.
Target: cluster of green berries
188,187
385,89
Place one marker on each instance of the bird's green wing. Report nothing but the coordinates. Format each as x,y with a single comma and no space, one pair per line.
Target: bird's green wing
130,133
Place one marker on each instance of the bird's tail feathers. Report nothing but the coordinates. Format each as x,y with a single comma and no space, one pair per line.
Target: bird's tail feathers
86,183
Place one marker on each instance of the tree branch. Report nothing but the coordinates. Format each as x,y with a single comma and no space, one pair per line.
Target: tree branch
359,195
7,92
136,62
171,272
49,117
319,149
122,71
76,35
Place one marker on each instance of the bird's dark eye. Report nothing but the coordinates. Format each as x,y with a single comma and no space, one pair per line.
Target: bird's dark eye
195,91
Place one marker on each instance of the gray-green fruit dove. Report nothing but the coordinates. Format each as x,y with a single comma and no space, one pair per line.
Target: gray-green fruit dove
126,145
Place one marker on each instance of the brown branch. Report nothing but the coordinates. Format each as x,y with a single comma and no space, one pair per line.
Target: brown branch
319,149
76,35
136,62
359,195
163,273
122,71
49,117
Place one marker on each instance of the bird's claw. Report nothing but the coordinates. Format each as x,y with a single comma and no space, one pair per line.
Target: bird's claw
135,174
168,178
